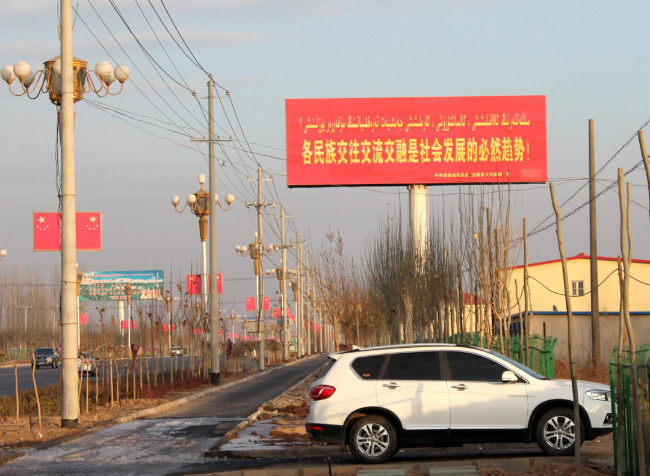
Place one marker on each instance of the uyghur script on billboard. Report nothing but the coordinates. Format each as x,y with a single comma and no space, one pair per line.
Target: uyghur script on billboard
428,141
109,285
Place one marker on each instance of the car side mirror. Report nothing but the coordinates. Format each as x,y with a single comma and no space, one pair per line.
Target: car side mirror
509,377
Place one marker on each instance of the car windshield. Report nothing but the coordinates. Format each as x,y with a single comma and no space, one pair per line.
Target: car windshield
521,367
43,351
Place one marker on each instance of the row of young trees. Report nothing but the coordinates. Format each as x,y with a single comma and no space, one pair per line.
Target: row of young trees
457,284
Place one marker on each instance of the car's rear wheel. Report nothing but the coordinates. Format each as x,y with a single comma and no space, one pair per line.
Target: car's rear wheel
555,432
373,439
37,367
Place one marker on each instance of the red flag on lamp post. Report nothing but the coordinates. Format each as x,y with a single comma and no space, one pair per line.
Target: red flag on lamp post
194,283
250,304
83,318
267,303
47,231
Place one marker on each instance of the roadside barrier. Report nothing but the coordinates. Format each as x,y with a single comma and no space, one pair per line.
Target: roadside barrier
624,415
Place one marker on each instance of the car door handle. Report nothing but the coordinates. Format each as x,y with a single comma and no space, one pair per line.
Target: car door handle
460,386
391,385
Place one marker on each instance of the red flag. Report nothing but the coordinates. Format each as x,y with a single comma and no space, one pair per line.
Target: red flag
47,231
220,332
89,231
277,312
83,318
134,324
195,331
250,304
266,302
230,336
193,284
125,324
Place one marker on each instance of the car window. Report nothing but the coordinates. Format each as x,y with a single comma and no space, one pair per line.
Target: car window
368,368
413,366
467,367
522,367
326,368
43,351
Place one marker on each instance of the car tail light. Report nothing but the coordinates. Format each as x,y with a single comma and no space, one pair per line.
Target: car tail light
321,392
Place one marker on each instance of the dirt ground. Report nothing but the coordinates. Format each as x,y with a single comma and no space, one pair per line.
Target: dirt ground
28,434
556,469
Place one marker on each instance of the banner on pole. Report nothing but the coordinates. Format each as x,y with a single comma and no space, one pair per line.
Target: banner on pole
47,231
250,304
195,283
267,303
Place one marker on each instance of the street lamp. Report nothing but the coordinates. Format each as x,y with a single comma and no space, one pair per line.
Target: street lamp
257,251
3,253
66,79
199,204
48,80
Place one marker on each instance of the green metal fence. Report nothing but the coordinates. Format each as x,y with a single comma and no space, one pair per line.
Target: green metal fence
623,415
540,356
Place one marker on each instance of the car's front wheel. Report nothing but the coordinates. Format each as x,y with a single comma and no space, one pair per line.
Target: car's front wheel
373,439
555,432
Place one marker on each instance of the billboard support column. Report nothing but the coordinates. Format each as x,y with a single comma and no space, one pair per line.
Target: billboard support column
418,218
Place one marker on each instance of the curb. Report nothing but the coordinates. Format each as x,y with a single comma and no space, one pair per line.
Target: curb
147,412
253,418
517,465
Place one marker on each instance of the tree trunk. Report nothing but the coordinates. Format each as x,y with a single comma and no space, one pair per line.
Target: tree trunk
567,297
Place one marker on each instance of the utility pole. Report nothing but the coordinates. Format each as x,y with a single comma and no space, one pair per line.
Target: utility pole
593,250
308,310
286,334
70,377
259,265
214,294
212,227
298,291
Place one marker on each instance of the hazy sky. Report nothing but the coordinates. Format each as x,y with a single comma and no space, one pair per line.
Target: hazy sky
588,58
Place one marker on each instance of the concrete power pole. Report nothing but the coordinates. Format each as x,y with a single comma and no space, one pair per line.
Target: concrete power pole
286,333
214,294
299,316
308,311
593,250
70,377
259,264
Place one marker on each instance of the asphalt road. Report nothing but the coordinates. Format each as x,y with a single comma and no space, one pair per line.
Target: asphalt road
46,376
172,442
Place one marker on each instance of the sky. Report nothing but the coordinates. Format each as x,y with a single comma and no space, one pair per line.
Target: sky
586,57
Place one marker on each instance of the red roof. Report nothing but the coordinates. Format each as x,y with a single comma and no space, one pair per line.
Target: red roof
580,256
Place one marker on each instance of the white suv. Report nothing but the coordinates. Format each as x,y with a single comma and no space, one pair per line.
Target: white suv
379,399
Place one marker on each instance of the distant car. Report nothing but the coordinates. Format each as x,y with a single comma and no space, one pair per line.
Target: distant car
45,356
176,351
88,364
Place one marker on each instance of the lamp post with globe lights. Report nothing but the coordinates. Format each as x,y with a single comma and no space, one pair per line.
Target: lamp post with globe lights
257,251
202,205
66,79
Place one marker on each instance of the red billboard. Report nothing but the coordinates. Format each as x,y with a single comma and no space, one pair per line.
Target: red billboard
426,141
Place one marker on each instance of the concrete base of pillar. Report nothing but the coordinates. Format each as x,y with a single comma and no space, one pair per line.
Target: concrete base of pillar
215,378
70,424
